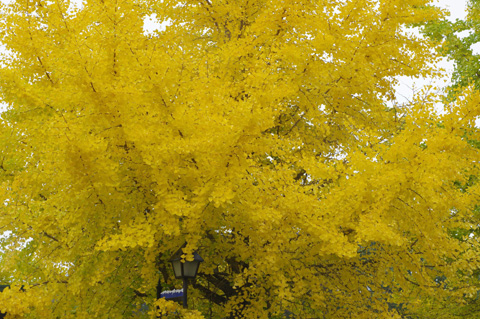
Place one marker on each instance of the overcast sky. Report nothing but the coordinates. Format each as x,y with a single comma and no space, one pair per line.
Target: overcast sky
407,86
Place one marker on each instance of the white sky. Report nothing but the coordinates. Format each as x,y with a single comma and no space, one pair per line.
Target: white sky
408,86
457,8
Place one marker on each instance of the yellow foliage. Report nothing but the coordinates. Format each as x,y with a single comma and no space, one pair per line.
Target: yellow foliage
255,131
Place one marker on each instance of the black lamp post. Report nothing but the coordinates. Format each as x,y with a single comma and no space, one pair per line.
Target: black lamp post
185,269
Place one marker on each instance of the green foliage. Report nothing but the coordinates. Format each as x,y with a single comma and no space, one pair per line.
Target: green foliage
455,40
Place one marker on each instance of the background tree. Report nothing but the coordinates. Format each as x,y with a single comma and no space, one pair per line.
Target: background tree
257,132
456,41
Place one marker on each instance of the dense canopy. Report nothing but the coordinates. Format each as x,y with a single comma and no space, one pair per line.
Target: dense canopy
264,134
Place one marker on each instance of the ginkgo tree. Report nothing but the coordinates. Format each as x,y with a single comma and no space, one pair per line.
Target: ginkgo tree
257,132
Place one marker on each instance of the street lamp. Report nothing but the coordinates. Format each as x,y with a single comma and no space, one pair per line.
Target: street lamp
184,269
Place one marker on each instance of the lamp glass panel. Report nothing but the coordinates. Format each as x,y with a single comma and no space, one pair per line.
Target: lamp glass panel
177,268
190,268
